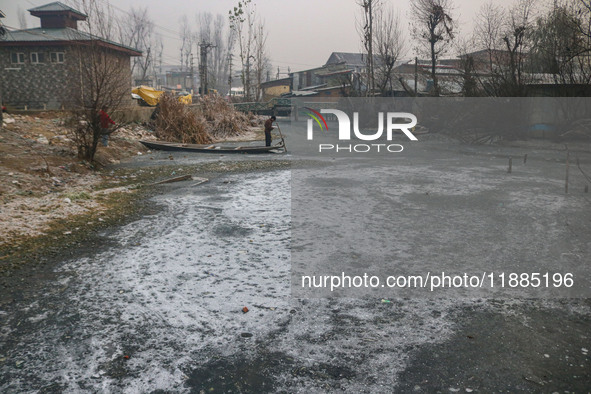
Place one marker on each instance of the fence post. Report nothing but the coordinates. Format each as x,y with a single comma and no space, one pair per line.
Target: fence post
567,169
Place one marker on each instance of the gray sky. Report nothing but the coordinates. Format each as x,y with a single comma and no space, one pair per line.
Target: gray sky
302,33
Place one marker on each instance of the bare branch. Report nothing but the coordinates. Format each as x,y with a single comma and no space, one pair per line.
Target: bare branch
434,27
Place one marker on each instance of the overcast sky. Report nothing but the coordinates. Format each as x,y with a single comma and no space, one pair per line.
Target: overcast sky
302,33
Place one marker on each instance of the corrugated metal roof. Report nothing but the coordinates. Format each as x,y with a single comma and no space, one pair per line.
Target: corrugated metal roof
313,87
63,34
55,6
302,93
352,59
41,34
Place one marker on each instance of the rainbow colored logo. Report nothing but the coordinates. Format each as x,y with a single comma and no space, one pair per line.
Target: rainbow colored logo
315,115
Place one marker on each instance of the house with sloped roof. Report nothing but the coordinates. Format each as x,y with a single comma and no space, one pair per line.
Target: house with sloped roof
353,61
42,67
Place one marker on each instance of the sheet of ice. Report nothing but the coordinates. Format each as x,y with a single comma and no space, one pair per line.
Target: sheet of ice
168,292
175,284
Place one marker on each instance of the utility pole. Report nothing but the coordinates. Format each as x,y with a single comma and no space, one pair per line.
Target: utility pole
204,49
416,75
159,82
192,74
230,76
182,58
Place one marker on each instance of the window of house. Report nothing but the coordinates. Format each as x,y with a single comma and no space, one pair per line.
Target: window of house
57,57
18,58
37,57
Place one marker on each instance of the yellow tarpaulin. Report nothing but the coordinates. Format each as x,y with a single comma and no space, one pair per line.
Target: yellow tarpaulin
188,99
151,96
148,94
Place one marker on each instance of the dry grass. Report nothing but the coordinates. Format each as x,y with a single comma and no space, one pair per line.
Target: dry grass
223,120
177,123
214,120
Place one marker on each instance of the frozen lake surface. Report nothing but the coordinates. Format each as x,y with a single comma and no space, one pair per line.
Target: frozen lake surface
160,307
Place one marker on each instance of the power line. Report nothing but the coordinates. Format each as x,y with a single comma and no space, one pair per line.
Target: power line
76,41
178,38
155,25
294,63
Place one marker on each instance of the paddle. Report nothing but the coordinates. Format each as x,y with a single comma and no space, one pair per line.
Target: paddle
281,135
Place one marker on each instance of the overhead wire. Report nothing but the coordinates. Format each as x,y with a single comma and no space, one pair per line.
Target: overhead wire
108,3
176,36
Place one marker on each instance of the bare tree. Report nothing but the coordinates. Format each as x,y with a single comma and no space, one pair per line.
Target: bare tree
219,52
516,40
560,44
242,22
369,9
158,51
204,21
102,20
261,60
101,77
216,32
138,32
104,83
470,69
22,20
506,35
434,26
390,46
488,30
223,39
582,10
187,41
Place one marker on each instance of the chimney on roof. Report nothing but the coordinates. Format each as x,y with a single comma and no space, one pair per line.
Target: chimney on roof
58,16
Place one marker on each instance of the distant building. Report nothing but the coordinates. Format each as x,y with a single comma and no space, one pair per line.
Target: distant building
414,78
41,68
356,62
276,88
343,75
180,80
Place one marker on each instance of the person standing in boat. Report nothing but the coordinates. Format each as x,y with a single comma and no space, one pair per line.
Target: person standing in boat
268,128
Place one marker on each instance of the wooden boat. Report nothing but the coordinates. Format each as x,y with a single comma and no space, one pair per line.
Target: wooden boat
180,147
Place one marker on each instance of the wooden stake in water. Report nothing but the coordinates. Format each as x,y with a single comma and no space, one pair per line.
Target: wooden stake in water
510,165
567,169
525,159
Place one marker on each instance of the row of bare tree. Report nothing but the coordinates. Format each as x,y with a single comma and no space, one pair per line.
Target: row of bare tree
251,37
526,43
101,75
134,29
242,33
510,47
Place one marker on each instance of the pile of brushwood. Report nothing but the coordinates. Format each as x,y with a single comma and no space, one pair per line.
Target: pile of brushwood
212,119
177,122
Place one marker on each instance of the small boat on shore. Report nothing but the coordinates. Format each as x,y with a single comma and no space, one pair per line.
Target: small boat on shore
212,148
